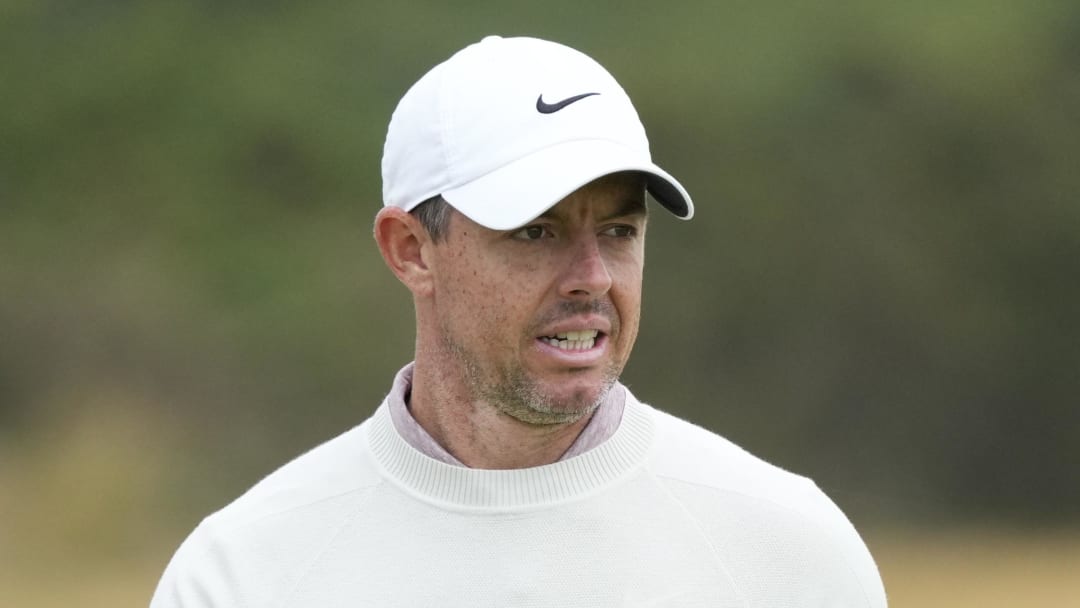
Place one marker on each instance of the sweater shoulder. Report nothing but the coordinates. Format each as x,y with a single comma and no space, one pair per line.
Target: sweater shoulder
692,454
687,455
254,549
334,469
766,514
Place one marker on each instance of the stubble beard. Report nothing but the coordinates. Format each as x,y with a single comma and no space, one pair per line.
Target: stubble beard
510,390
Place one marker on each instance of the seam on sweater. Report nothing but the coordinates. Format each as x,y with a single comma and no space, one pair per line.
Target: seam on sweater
218,530
701,530
216,543
821,529
306,570
226,525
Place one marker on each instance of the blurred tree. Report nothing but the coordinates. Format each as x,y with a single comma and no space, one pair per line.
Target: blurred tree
878,290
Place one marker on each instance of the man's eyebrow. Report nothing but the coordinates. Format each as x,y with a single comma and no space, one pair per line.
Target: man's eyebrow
626,208
631,206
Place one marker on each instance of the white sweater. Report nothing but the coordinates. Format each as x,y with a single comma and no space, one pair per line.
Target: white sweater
663,513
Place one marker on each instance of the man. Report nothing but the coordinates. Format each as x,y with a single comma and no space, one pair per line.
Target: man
507,466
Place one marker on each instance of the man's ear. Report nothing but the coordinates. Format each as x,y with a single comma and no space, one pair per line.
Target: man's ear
405,246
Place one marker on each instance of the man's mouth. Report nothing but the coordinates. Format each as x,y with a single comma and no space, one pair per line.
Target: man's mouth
572,340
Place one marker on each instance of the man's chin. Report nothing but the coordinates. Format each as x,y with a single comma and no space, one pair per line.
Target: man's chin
557,405
572,402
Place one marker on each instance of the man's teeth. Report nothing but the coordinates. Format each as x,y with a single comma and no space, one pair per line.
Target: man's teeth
573,340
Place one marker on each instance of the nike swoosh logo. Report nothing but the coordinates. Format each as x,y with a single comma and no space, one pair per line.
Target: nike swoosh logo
551,108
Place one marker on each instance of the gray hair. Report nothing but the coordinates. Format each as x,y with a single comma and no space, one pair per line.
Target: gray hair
434,216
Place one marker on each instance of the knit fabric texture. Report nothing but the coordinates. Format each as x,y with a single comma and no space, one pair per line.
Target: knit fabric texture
663,513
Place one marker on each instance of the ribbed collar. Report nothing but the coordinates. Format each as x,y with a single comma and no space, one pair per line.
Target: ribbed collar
518,489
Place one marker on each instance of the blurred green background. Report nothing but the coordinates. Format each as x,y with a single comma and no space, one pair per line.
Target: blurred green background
880,288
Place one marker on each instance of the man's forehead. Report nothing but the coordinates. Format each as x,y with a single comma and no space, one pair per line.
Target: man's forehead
631,180
612,195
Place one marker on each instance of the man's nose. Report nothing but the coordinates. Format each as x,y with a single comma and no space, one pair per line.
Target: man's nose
586,274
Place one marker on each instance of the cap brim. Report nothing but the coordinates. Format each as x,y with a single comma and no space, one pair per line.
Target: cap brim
516,193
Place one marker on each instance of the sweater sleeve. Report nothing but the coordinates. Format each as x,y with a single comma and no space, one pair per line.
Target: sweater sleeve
198,576
841,542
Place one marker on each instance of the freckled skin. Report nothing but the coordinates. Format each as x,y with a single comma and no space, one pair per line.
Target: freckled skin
497,293
482,385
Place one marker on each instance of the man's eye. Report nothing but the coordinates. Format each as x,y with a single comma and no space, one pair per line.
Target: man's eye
531,233
621,230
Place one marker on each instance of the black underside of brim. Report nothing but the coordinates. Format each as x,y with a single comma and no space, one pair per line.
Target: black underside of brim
666,195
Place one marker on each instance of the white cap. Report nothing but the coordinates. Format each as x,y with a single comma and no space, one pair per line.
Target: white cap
508,127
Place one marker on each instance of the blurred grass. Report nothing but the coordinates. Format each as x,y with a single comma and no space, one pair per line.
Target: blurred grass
978,568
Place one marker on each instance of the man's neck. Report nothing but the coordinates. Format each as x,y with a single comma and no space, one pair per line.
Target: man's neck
477,433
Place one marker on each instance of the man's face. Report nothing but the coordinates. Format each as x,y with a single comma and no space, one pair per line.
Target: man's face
540,320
